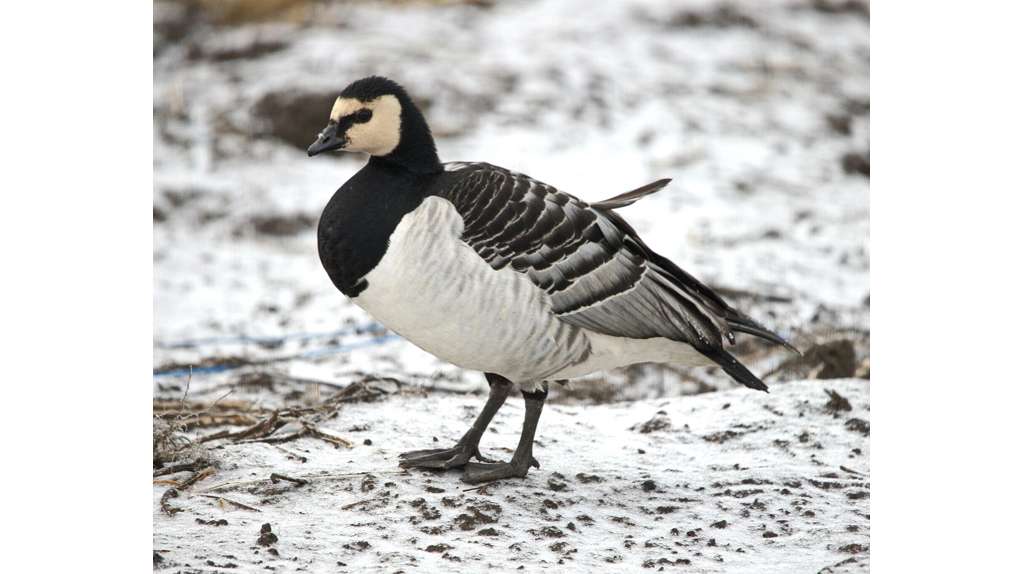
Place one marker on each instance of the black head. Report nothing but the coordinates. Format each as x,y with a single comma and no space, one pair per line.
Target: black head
369,89
375,115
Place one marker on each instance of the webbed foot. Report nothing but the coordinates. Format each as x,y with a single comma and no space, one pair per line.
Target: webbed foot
443,458
476,473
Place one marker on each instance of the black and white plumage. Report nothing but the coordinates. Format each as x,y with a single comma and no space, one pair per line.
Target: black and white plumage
494,271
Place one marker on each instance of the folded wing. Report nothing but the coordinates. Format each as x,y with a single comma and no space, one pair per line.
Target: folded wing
599,274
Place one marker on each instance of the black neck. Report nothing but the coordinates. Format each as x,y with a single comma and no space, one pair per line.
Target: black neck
357,222
416,151
414,165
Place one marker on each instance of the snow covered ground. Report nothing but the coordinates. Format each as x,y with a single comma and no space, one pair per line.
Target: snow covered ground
732,481
758,111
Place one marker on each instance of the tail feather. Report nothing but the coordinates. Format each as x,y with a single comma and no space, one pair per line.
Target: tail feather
735,320
630,197
745,324
735,369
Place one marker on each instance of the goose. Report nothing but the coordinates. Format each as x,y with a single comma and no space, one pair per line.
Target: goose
494,271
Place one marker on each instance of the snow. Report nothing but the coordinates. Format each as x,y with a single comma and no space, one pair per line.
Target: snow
735,114
777,464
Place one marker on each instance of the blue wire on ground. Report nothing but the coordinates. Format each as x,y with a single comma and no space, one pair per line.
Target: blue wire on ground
243,339
307,355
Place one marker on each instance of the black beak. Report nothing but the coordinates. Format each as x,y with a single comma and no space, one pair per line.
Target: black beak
328,141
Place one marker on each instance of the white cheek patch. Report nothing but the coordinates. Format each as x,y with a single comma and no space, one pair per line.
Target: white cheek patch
381,135
343,107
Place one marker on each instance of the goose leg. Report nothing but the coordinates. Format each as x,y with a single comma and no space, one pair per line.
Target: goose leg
523,459
469,445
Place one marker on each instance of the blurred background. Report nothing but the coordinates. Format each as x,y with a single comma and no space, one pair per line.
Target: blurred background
759,112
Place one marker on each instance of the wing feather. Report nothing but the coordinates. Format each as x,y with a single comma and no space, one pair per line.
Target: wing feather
598,272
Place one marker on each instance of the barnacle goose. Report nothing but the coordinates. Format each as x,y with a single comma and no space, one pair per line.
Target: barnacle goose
494,271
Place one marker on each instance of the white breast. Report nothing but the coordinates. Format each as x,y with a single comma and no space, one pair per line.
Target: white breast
434,290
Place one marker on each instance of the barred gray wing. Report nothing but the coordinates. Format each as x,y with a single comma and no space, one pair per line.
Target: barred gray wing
597,271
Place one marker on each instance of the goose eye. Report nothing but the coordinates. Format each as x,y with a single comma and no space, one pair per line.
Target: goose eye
364,115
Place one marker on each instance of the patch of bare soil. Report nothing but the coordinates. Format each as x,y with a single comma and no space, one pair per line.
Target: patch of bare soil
292,117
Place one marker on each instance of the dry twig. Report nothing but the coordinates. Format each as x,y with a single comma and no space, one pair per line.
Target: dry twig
235,502
275,477
309,477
